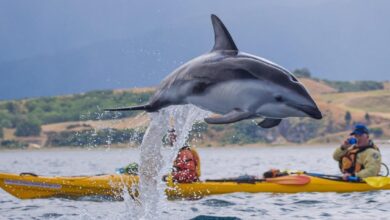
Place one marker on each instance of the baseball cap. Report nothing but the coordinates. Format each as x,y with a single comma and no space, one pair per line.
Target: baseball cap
360,129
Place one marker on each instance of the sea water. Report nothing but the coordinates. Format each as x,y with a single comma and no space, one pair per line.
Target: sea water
217,162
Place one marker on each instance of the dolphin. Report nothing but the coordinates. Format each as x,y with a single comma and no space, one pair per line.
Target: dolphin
234,84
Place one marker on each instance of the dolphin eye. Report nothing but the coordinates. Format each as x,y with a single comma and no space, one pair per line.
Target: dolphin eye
278,98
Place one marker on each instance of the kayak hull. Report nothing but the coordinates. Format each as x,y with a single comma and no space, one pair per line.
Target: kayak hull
31,187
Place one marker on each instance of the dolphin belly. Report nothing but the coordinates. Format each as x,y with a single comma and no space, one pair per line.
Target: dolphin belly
272,110
224,97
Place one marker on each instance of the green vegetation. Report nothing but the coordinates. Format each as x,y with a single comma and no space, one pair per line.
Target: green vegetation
302,73
28,128
348,119
367,117
300,130
12,144
354,86
246,132
71,108
27,116
377,132
342,86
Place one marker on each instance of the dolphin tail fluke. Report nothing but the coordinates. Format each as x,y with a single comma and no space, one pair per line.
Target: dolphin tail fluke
269,123
132,108
223,40
231,117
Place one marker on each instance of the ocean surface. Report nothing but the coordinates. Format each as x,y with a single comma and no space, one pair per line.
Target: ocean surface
215,163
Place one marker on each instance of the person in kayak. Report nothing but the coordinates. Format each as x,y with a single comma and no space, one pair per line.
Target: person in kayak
186,166
358,156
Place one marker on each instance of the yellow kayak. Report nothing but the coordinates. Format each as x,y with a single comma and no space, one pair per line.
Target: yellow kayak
31,186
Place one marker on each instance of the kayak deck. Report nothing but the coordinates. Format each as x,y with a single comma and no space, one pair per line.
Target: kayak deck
31,187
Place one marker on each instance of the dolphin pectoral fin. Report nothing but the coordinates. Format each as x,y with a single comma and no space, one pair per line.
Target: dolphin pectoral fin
231,117
223,40
132,108
269,123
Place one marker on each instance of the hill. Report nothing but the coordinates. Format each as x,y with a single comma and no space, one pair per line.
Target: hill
77,120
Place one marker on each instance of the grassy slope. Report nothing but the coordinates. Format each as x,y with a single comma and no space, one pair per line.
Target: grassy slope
376,103
333,105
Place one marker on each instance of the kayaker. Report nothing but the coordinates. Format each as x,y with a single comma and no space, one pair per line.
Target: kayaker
186,166
358,156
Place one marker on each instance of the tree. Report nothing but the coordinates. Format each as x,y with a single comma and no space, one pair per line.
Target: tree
348,118
368,118
377,132
302,72
28,128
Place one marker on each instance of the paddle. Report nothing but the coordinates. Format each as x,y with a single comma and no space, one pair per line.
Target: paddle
283,180
377,181
326,176
289,180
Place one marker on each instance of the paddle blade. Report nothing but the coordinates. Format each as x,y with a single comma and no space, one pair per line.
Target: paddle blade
377,181
289,180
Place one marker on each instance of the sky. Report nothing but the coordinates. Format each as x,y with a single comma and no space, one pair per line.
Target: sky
56,47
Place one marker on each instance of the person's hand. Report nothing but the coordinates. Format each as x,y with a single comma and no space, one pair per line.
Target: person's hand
345,176
346,144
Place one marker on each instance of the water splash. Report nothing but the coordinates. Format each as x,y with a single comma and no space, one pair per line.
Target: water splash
154,163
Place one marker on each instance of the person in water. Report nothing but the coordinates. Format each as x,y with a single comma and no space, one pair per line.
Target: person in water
186,166
358,156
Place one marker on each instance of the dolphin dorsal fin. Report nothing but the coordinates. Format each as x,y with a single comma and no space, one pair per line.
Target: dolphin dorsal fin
223,40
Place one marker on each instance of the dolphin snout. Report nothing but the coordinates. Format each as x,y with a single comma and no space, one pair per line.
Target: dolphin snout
311,111
316,114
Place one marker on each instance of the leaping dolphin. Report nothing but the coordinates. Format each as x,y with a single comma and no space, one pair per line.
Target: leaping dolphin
235,84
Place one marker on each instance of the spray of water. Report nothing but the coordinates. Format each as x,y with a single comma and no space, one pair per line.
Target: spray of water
156,161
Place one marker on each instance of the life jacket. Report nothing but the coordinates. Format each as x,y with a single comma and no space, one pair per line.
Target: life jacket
186,166
348,162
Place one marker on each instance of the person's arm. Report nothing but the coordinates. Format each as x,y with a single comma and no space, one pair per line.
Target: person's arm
371,163
342,150
339,152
